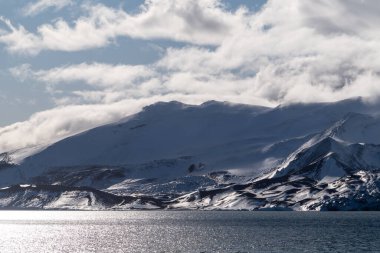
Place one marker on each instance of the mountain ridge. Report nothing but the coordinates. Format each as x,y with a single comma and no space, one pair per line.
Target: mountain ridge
217,155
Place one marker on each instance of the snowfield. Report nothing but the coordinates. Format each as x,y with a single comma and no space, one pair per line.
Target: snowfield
217,155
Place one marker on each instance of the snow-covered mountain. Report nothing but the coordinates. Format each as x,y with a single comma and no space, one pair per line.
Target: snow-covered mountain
323,156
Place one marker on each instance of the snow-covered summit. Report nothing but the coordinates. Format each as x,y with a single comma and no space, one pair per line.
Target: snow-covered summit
170,149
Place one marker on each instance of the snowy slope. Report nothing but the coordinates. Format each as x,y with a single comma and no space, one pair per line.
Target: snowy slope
358,191
78,198
219,135
175,152
351,144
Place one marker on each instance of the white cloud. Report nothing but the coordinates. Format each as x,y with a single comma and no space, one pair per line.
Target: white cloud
39,6
291,51
58,123
199,22
286,57
106,83
103,75
280,56
18,39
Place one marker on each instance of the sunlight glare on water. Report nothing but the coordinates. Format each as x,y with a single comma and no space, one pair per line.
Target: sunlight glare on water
186,231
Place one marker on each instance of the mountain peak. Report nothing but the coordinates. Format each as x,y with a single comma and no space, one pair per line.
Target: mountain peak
165,106
173,149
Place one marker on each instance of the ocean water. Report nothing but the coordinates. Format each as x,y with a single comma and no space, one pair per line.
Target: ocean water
189,231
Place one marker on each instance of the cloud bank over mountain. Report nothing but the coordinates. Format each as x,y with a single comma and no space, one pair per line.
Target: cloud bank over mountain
287,52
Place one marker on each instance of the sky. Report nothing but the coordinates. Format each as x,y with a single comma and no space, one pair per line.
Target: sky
70,65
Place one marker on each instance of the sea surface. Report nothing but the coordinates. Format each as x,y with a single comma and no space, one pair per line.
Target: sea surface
189,231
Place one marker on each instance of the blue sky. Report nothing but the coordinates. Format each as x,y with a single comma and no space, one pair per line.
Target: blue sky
67,66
